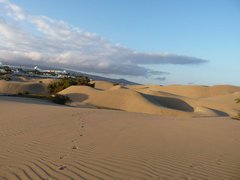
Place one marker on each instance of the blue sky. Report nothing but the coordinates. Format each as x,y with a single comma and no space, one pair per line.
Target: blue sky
177,42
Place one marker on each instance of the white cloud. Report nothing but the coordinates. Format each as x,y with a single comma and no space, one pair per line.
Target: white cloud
13,10
58,43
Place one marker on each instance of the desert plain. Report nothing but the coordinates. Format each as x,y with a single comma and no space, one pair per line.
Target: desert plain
120,132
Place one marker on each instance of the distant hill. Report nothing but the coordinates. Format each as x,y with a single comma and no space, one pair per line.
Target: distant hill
101,78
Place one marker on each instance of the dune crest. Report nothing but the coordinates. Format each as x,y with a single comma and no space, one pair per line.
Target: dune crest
191,91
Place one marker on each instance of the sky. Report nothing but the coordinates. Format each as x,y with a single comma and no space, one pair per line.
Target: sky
146,41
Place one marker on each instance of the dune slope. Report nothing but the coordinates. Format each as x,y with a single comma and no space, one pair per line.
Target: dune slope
125,99
15,87
191,91
163,100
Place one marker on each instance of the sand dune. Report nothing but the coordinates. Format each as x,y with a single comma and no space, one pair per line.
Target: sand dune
125,99
15,87
169,100
20,84
103,85
224,103
152,99
40,140
192,91
32,79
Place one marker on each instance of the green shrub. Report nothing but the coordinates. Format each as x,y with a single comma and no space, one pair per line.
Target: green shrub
26,93
23,93
60,99
64,83
116,84
5,77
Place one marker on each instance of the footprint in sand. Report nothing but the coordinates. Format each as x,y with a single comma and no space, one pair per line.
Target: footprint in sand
82,127
81,124
63,156
74,140
74,147
62,167
219,161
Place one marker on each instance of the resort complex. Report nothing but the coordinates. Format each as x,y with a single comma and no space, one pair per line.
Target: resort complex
9,70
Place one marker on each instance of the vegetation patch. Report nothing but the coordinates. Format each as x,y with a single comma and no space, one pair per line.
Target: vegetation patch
5,77
64,83
60,99
24,93
116,84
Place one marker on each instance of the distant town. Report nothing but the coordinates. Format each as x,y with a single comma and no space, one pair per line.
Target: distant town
32,72
7,71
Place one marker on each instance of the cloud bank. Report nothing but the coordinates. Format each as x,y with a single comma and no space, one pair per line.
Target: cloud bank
160,78
55,42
